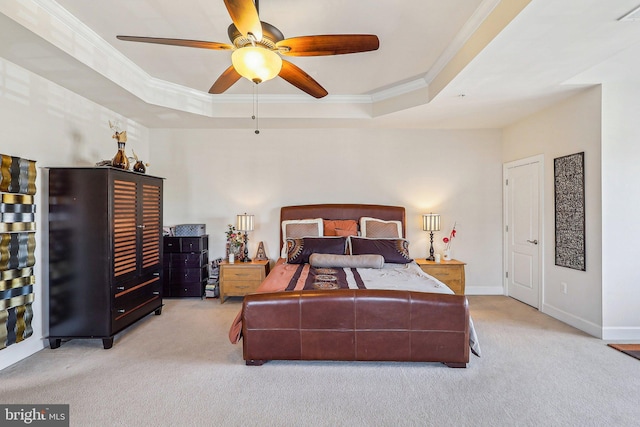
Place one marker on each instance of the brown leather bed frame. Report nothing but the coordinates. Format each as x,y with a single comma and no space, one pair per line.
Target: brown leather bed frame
346,324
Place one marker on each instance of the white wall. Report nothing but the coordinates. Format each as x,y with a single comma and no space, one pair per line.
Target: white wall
51,125
620,225
568,127
213,175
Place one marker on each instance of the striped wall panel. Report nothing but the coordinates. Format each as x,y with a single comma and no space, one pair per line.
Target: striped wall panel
17,248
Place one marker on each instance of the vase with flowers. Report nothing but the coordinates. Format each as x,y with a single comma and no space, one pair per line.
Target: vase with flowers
446,255
120,160
235,242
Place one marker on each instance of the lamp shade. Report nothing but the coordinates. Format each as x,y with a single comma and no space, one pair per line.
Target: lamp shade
431,222
245,222
255,63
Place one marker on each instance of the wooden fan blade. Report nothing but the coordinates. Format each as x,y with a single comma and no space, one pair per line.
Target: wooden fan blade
301,80
225,81
334,44
245,17
178,42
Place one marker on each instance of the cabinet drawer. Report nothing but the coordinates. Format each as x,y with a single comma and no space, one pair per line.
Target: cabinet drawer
174,244
242,287
171,244
134,297
193,244
187,260
187,290
187,275
242,273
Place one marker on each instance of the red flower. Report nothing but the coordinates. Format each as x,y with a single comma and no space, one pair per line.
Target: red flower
447,240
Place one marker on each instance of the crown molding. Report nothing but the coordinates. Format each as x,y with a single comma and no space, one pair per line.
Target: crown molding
465,33
53,23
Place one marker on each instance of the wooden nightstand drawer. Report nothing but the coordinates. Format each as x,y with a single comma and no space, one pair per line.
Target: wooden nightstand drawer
241,273
443,273
451,273
240,287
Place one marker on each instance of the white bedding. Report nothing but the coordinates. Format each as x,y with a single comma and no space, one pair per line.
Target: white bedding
405,277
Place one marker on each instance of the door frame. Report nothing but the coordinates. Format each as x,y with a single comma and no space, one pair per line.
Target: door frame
539,159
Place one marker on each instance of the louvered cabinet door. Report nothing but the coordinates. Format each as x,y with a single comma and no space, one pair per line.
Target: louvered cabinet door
151,220
125,253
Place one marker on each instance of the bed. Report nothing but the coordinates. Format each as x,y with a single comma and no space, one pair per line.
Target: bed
346,289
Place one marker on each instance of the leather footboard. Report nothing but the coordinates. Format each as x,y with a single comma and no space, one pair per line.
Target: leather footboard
364,325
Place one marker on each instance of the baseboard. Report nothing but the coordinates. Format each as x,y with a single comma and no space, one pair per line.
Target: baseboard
621,333
572,320
18,351
483,290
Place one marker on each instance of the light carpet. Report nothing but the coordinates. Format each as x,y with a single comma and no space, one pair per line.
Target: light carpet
179,369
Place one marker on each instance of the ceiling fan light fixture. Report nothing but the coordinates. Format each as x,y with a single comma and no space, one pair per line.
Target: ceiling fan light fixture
256,63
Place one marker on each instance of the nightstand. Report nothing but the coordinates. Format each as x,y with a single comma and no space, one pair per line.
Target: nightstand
241,278
451,273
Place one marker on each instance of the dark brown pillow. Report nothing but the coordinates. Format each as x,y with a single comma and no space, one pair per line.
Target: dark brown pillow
394,251
299,250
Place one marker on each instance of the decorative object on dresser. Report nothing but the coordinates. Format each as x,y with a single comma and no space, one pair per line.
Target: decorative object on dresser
189,230
186,262
261,255
120,160
241,279
431,223
235,240
105,251
139,166
245,225
446,254
17,248
451,273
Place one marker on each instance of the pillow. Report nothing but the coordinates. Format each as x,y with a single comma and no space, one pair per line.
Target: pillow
299,250
378,228
393,250
340,227
296,228
346,261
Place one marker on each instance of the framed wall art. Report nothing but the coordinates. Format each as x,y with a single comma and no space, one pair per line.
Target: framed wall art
17,248
569,204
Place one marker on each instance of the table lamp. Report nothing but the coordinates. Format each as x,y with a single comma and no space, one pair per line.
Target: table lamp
245,224
431,223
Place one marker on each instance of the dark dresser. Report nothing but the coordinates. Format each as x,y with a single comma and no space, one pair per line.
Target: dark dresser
185,266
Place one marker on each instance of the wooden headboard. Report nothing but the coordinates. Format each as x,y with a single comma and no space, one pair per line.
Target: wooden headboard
343,211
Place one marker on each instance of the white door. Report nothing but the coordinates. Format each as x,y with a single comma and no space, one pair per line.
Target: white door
523,245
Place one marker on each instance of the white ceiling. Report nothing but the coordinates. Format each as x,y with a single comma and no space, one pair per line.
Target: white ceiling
441,64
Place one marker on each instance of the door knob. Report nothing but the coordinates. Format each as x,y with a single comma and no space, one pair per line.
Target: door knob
535,242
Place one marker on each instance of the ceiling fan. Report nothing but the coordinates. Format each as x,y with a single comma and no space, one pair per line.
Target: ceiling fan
257,47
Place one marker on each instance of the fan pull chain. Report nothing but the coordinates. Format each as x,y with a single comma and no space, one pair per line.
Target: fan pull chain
255,107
